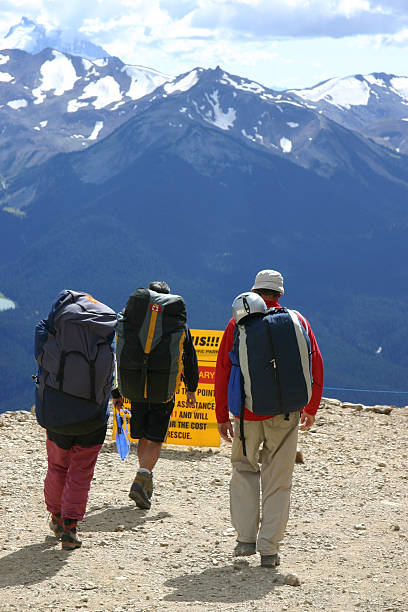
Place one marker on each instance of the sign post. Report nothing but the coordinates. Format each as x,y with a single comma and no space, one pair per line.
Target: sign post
196,426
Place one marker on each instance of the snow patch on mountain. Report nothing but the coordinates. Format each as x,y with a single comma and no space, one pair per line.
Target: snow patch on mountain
286,145
4,59
343,92
370,78
106,91
243,85
74,105
95,132
289,102
183,84
87,64
101,62
58,75
400,85
143,81
5,77
223,120
292,124
16,104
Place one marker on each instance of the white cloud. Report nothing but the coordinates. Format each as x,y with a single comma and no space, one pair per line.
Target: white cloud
175,36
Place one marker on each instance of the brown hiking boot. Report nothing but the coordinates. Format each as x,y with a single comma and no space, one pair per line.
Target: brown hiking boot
69,538
56,525
141,490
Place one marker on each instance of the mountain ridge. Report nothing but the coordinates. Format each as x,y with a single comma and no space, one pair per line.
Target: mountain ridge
202,180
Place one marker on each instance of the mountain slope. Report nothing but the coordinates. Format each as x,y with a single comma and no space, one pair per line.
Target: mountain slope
200,206
53,102
376,105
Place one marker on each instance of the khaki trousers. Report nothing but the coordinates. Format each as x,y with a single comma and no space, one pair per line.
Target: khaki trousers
271,452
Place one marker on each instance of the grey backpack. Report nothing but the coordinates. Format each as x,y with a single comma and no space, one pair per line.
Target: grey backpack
74,349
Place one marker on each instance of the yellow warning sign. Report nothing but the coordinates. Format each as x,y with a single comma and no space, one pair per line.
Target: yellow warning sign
206,344
196,426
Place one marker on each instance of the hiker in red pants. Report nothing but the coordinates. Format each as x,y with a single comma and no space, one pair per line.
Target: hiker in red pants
74,349
71,464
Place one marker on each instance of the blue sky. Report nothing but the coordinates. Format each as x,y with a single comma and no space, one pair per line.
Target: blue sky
283,43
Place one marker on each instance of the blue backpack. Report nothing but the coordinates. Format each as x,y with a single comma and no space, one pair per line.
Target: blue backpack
74,349
271,364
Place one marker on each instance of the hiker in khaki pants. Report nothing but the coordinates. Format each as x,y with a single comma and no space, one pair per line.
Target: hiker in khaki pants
261,478
270,468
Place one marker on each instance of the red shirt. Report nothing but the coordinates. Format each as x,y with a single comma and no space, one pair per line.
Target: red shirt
223,369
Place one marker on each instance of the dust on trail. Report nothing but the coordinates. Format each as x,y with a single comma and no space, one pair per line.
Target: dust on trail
346,542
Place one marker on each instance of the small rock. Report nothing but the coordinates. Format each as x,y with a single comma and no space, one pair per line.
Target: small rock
120,528
395,527
299,457
382,409
292,580
230,531
360,527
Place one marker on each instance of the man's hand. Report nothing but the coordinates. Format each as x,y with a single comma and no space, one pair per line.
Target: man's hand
225,429
117,403
307,420
190,399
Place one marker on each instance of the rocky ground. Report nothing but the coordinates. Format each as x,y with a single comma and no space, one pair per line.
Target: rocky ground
346,546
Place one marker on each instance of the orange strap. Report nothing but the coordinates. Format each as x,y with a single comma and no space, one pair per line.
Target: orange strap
155,309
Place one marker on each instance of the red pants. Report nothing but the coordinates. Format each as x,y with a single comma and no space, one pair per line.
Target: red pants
68,479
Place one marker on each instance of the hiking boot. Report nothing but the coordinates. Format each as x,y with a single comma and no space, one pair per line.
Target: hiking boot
244,549
141,490
56,525
69,538
270,560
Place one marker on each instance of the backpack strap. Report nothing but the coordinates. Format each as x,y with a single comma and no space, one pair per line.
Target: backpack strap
241,429
92,379
275,370
154,311
60,375
235,353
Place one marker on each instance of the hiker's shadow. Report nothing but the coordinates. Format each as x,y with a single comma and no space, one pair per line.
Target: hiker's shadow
119,519
224,584
175,454
32,564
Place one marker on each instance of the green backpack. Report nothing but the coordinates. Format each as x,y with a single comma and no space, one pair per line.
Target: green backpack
150,337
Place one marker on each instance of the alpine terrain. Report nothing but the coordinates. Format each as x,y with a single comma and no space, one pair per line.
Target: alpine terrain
113,176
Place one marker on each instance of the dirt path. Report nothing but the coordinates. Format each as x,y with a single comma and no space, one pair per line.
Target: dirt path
347,538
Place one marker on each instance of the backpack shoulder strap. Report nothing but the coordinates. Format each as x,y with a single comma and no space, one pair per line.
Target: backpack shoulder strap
155,309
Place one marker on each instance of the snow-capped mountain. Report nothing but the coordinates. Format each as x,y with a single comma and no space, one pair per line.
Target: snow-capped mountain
376,105
275,123
53,102
33,37
201,180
